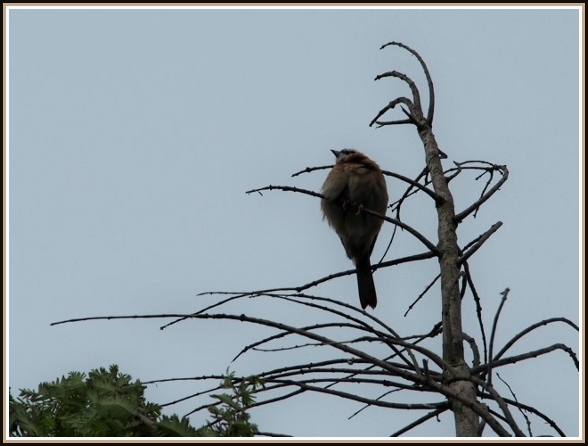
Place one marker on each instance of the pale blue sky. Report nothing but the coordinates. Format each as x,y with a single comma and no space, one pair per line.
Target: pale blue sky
134,134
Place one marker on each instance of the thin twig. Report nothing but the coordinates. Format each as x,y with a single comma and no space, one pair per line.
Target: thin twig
481,240
493,331
478,302
518,407
463,214
421,420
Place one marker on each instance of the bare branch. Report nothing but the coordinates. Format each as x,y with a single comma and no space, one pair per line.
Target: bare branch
429,286
478,302
287,189
366,406
421,420
493,332
463,214
479,242
529,329
416,97
279,383
390,106
413,183
410,229
515,398
473,346
531,354
396,371
501,403
311,169
299,289
531,410
431,109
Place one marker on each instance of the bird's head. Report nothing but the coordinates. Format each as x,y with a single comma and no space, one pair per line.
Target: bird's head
342,154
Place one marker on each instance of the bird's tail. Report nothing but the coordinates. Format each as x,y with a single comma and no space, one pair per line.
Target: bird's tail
365,284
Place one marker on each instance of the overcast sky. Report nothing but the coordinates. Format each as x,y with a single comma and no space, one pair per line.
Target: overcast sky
134,134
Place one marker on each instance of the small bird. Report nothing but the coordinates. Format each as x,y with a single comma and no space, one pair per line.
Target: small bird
356,182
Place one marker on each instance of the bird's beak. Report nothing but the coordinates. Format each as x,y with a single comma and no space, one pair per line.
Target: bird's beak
336,153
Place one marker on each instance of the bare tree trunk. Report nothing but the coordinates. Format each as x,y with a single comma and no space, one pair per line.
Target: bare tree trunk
466,421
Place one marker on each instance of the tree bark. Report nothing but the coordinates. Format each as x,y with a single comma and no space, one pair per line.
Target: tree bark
466,421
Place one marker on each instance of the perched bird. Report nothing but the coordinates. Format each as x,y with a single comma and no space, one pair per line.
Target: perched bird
356,182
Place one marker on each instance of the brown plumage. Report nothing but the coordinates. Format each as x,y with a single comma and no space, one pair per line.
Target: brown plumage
354,182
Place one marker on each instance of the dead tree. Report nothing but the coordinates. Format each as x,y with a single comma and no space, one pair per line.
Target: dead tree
400,362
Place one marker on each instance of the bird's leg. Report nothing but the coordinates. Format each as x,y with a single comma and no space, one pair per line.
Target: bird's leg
346,204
